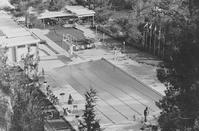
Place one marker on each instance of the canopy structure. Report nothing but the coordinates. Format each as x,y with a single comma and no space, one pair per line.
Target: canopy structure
54,14
80,11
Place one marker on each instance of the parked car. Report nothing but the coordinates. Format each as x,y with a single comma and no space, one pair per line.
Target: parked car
86,44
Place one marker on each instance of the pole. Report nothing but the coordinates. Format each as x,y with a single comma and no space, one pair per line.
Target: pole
93,21
103,37
147,34
124,44
150,40
159,38
144,40
96,30
154,44
155,40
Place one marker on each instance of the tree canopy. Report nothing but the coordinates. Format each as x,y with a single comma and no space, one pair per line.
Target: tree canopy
181,75
22,87
90,122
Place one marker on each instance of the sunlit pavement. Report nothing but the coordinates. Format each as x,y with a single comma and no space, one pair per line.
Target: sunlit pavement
144,72
137,63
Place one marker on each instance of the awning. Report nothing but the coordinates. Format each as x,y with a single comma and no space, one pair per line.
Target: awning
54,14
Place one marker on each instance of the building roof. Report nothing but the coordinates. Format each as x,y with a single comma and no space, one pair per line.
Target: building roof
17,32
21,40
14,34
80,11
54,14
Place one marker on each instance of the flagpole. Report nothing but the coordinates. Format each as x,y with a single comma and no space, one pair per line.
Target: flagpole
145,36
154,42
163,50
143,39
159,38
150,40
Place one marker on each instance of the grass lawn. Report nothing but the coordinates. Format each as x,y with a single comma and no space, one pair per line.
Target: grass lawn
56,35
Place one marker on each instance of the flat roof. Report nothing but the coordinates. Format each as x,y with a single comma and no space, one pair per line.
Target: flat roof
22,40
54,14
14,34
80,11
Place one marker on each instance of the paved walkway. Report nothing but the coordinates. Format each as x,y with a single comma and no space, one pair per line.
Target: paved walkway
87,32
144,72
139,64
41,35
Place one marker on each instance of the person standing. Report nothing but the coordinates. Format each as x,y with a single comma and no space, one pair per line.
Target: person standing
146,113
70,100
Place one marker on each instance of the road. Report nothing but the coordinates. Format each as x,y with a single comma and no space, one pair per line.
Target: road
120,96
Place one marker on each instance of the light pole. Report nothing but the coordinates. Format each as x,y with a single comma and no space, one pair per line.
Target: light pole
124,46
96,30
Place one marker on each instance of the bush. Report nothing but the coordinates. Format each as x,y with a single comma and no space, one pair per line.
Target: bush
102,16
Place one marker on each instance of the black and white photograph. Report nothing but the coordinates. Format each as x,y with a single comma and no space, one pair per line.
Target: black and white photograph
99,65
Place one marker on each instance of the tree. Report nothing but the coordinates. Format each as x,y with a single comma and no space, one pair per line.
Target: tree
181,75
28,109
102,16
3,111
90,122
5,91
23,8
28,101
55,5
22,87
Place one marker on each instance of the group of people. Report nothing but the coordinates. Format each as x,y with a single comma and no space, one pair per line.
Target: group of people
53,99
70,102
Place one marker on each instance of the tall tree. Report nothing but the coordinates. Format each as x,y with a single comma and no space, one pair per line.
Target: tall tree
90,122
3,110
181,76
28,101
56,5
21,86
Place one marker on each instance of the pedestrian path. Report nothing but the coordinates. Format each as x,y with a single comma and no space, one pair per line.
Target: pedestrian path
143,72
52,44
46,50
87,32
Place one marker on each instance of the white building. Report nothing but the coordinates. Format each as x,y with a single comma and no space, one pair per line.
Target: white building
18,40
